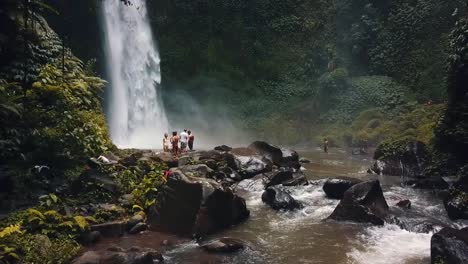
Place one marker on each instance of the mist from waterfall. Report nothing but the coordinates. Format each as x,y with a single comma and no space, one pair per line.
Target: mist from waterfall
135,113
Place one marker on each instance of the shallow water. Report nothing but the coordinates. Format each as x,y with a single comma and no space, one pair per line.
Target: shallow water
303,237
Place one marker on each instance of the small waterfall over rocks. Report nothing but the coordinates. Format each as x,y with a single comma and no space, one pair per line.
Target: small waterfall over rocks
135,113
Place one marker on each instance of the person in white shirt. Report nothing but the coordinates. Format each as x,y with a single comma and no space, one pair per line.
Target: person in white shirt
183,140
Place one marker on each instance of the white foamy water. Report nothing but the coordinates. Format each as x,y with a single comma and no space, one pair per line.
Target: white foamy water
135,113
391,244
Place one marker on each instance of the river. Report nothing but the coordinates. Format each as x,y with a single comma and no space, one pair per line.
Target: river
302,236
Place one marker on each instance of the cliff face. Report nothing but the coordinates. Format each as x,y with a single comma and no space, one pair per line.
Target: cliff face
452,131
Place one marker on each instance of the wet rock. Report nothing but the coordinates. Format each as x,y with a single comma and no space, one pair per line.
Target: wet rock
278,177
279,156
91,237
167,158
140,227
299,178
95,177
336,187
249,166
415,225
433,182
223,245
304,160
199,170
223,148
131,160
111,156
450,246
424,227
462,183
110,229
134,255
184,160
364,203
211,164
192,205
400,157
456,205
134,220
405,204
279,199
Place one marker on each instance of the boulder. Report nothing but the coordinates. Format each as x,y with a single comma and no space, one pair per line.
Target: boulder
231,173
416,223
140,227
279,199
401,157
450,246
456,205
98,179
462,183
277,177
192,205
336,187
279,156
89,237
184,160
212,164
298,178
199,170
223,245
405,204
363,203
110,229
134,220
222,148
131,160
167,158
249,166
115,255
304,160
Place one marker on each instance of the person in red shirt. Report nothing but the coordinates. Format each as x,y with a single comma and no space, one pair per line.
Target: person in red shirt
191,138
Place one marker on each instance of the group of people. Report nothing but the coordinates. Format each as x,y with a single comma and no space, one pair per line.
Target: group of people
185,138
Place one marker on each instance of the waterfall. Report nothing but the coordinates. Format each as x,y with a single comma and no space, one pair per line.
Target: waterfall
135,113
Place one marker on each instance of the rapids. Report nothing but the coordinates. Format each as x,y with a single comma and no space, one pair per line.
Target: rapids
303,237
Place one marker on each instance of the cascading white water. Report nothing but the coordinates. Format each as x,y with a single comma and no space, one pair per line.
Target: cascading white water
135,113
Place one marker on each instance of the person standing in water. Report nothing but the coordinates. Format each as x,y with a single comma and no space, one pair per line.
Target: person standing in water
183,141
191,138
175,143
325,145
166,143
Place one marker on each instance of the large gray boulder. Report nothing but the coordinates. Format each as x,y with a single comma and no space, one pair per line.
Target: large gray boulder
279,199
450,246
400,157
196,206
456,205
363,203
336,187
281,157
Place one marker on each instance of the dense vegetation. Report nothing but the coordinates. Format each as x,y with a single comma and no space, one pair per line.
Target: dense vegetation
322,62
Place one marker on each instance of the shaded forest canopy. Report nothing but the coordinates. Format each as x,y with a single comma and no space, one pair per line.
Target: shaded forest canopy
322,62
